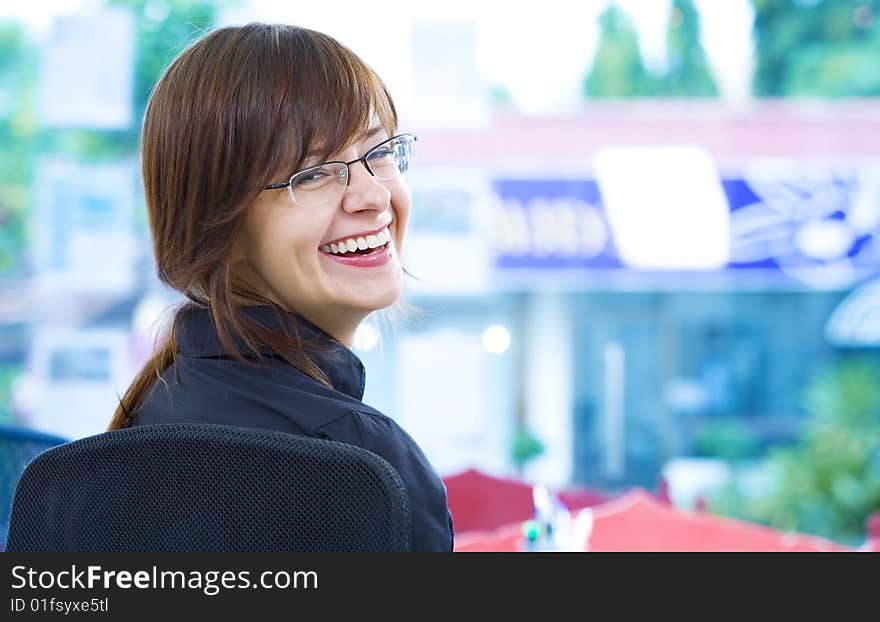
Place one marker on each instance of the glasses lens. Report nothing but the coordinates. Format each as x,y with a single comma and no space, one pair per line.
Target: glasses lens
393,157
319,185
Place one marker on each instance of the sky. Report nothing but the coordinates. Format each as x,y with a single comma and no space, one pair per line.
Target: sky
539,52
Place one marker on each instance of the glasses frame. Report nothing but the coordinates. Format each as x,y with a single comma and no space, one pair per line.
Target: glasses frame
289,183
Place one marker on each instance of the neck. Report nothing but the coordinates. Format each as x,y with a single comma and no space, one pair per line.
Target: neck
342,329
340,326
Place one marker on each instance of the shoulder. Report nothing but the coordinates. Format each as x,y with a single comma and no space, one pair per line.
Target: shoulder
270,395
362,424
368,428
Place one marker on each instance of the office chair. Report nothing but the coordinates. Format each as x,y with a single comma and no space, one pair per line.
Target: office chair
204,487
18,446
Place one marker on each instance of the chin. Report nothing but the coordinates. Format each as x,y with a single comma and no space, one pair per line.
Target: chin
374,302
366,296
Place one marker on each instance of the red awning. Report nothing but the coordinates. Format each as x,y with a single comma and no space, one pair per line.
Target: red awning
483,502
638,522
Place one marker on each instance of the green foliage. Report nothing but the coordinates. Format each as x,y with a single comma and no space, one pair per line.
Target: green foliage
688,72
525,447
826,48
164,29
8,375
13,227
835,71
727,438
829,483
17,144
500,95
618,70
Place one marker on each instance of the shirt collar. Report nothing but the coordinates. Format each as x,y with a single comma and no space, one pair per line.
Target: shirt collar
197,337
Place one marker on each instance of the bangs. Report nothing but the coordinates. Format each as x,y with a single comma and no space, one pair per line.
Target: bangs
330,99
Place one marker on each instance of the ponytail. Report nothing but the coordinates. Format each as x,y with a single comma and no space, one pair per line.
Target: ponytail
130,403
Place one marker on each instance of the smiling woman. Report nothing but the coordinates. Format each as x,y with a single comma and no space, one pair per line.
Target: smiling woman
278,274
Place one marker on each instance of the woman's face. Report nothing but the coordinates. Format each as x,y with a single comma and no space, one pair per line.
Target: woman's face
282,249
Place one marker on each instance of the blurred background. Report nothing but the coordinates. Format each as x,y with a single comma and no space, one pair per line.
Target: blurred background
645,237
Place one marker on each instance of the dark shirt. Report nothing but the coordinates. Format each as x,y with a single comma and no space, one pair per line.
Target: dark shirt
215,388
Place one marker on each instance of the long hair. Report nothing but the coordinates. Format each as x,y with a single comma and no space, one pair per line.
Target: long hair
238,107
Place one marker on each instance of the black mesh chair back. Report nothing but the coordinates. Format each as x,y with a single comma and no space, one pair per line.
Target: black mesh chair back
18,446
198,487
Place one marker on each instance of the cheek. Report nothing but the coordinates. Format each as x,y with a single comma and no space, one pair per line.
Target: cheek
401,200
288,249
283,243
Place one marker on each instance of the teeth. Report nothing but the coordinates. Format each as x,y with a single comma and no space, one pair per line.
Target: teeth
361,243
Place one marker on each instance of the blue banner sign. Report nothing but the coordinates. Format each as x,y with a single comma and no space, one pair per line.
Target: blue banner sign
821,229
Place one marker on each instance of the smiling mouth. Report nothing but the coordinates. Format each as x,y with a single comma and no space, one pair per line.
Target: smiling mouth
364,245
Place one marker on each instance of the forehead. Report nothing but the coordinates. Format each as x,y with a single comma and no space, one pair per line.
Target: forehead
376,132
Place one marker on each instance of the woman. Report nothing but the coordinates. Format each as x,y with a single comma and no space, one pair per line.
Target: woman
273,178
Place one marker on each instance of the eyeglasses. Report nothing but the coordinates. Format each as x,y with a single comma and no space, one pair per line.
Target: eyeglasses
326,183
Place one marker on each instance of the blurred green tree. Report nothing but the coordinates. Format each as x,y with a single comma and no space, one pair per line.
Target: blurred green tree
525,447
8,375
17,145
819,48
829,483
617,70
164,29
687,73
729,438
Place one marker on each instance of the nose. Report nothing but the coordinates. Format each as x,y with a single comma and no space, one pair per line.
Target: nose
364,192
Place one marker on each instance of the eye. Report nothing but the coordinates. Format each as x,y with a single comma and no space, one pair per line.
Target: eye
381,152
311,178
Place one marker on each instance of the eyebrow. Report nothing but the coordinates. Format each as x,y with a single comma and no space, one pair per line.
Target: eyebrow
374,130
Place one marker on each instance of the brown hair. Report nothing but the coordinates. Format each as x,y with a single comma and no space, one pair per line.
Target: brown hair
238,107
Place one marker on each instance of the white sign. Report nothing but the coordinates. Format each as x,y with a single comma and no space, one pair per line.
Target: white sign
77,376
87,70
666,207
443,402
83,228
